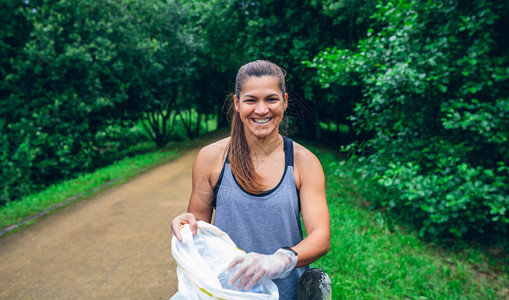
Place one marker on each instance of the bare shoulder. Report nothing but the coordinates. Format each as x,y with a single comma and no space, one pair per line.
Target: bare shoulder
214,151
210,158
307,167
304,157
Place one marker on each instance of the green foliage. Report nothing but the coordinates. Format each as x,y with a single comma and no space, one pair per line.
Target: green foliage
218,24
78,72
56,96
435,77
426,84
76,75
351,16
140,158
166,53
287,33
374,257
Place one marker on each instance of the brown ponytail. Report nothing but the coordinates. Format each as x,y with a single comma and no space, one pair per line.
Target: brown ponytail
240,154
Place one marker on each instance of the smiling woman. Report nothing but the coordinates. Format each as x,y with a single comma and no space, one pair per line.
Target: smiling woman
259,110
259,182
260,101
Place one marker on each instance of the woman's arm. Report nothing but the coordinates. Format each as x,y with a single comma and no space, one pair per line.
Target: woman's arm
310,181
202,194
206,169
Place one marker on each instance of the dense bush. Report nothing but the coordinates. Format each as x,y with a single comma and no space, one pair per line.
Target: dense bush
76,78
429,84
435,80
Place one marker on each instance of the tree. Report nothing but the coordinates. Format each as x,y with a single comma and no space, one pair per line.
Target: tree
435,81
218,23
75,70
284,32
168,49
59,92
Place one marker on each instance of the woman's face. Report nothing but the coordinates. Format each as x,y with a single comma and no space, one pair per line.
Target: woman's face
261,105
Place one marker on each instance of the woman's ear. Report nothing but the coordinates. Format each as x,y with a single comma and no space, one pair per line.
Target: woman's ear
236,102
285,103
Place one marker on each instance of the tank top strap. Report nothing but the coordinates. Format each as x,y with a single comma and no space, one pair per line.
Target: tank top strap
218,183
289,160
288,148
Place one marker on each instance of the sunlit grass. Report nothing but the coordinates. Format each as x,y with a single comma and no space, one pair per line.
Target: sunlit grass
82,186
208,123
332,126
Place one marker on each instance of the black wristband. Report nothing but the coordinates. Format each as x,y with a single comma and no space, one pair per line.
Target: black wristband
288,248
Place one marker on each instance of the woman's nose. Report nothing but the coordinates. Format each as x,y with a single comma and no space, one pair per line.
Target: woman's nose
261,108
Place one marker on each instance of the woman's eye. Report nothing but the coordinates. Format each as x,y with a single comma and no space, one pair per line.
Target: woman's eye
272,99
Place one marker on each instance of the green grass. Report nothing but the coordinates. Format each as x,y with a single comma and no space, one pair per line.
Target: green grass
207,124
84,185
89,184
368,258
333,127
371,260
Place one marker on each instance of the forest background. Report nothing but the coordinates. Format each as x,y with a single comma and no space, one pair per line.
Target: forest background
416,93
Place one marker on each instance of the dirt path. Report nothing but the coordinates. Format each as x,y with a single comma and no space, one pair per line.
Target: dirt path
115,245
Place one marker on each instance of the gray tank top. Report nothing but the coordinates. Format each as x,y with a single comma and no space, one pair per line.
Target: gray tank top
265,222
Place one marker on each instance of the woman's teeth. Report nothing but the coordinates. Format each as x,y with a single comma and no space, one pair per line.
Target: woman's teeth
262,121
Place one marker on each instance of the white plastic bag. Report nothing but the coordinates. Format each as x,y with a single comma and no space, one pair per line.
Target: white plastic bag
202,263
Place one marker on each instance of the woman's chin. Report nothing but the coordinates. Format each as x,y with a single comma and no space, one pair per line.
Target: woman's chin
261,133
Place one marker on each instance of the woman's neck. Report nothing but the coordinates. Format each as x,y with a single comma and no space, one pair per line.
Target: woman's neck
264,146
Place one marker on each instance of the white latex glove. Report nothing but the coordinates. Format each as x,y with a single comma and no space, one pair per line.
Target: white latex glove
252,267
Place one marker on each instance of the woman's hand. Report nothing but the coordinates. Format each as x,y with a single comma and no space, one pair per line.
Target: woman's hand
206,169
178,221
252,267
